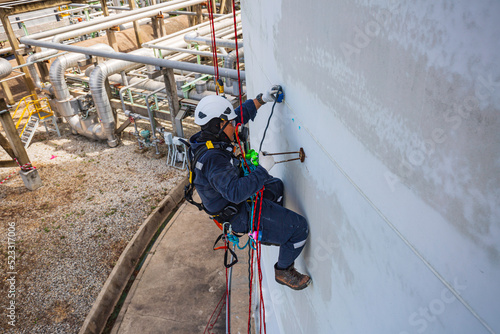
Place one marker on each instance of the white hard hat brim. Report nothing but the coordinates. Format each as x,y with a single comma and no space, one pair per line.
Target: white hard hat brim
211,107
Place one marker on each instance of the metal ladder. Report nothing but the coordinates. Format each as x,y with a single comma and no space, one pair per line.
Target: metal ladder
29,130
50,124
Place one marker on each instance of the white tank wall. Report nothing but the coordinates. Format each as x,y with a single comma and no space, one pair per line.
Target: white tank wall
396,105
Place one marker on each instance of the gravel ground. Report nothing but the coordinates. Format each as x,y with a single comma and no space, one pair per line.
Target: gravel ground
71,232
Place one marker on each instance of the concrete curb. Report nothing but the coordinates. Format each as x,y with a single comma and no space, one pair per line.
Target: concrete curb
111,291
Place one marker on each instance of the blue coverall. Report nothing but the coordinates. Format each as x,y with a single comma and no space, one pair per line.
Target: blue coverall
220,182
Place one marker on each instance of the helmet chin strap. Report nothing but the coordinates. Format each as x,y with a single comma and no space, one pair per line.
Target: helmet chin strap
222,129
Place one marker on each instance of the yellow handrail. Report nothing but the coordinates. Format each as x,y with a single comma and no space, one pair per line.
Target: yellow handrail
19,104
25,124
34,107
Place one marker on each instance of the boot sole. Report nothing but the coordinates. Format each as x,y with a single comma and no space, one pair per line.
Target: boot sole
301,287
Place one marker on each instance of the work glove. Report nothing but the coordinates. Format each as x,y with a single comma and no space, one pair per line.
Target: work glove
270,94
266,161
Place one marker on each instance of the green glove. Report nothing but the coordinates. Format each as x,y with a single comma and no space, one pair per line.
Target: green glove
253,157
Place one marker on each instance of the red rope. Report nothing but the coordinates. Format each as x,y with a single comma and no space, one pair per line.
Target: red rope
225,298
24,167
214,45
228,296
238,69
262,309
239,87
262,319
262,314
261,300
211,324
251,272
237,56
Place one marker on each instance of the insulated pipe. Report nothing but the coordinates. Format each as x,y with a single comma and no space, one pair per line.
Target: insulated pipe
9,49
89,127
98,6
181,12
131,16
130,57
5,68
184,31
97,83
194,37
181,56
153,85
32,69
124,81
128,25
152,120
189,51
98,76
221,32
58,69
230,62
103,19
49,15
107,24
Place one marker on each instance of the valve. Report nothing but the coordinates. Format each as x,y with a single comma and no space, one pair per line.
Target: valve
146,134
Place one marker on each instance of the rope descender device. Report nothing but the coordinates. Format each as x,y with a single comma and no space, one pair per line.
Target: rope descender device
220,85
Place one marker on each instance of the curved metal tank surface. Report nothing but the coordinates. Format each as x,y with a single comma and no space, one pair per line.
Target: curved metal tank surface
397,108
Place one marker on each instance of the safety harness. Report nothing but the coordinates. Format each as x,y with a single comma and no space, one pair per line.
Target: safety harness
194,164
222,217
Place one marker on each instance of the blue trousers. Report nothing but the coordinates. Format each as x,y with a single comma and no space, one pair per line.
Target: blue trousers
279,225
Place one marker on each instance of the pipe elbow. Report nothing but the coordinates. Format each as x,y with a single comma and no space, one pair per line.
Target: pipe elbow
190,36
5,68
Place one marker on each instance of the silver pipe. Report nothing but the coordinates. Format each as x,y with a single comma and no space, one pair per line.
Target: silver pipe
128,113
229,31
102,19
177,39
31,60
89,127
39,60
194,37
9,49
230,62
130,57
181,12
5,68
129,25
184,31
125,61
151,115
190,51
97,85
159,87
16,76
124,81
99,6
132,16
51,14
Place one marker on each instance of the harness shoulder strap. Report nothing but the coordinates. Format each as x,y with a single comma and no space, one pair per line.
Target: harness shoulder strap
188,190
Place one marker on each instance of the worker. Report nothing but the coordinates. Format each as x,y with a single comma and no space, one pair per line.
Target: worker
224,189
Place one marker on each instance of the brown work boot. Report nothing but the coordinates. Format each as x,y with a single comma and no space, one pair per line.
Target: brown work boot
291,277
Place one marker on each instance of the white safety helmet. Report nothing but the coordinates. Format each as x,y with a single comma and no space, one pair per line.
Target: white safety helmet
213,106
